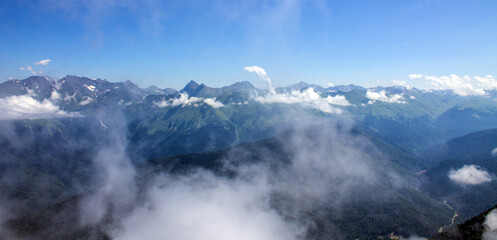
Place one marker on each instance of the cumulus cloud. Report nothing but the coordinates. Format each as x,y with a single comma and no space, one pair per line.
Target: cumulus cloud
464,86
262,74
213,103
26,107
415,76
470,175
308,98
382,97
43,62
338,100
185,100
490,224
488,82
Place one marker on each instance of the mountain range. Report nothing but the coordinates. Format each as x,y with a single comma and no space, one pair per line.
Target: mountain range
393,154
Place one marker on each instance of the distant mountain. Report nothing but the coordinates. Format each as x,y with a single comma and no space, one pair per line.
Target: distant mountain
153,90
42,87
346,88
412,119
301,86
196,90
421,135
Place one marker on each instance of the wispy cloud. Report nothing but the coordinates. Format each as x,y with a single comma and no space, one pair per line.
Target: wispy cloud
262,74
470,175
494,152
95,14
38,71
29,69
43,62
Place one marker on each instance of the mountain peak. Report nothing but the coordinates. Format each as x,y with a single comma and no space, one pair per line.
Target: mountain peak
192,84
190,87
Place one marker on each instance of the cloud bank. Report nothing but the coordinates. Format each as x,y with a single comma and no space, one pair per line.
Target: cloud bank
307,98
382,97
185,100
470,175
204,206
26,107
463,86
326,165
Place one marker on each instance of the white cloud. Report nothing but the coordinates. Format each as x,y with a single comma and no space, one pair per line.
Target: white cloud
184,100
28,68
194,208
213,103
494,152
262,74
402,84
26,107
87,100
415,76
470,175
55,96
308,98
43,62
338,100
258,70
10,78
382,97
464,86
324,168
490,224
488,82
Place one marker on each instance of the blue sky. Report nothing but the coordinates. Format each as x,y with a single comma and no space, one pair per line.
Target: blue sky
168,43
